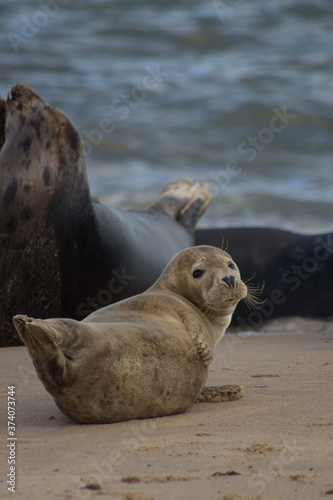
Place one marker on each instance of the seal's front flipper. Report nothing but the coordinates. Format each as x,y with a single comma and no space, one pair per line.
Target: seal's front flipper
220,394
185,201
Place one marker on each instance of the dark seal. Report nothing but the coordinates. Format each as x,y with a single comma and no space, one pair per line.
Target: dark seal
296,270
61,252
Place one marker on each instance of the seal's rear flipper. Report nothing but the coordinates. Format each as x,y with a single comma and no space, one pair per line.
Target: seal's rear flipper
185,201
46,341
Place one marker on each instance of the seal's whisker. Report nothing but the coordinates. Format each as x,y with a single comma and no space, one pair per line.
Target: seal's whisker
202,307
256,289
253,293
253,275
250,303
225,249
206,309
209,311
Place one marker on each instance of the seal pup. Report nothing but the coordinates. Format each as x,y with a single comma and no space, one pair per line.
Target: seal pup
62,253
146,356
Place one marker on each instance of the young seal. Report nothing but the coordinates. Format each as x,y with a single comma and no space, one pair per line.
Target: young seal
146,356
63,254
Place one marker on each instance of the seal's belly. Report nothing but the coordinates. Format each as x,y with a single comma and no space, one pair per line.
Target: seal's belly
136,375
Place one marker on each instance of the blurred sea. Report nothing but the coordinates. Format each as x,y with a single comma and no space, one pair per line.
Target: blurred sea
235,93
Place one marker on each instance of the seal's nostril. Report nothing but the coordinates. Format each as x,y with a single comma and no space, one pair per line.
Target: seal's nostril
230,281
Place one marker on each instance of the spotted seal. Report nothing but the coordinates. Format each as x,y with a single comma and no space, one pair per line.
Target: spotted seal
63,253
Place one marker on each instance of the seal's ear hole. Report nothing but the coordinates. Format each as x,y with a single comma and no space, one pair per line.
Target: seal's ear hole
197,273
231,265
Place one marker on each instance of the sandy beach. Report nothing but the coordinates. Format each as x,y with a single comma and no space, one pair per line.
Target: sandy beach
275,443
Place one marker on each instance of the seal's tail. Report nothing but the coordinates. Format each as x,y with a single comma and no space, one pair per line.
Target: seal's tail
49,343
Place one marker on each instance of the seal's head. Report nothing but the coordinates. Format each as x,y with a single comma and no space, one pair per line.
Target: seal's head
207,277
46,143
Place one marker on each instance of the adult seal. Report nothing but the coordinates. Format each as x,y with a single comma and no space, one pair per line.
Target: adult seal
62,253
146,356
297,270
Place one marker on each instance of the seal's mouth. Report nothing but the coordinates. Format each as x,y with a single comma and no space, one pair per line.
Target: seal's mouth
234,289
225,298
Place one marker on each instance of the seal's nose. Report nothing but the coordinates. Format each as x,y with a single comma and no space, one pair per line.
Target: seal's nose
230,281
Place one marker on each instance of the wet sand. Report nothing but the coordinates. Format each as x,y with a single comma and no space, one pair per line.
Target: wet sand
275,443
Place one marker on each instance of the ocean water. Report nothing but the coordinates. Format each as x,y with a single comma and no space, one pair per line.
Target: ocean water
238,94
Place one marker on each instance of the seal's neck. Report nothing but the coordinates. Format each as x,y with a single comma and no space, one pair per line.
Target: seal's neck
218,328
219,322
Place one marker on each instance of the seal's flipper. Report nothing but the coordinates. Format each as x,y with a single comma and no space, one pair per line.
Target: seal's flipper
220,394
185,201
47,342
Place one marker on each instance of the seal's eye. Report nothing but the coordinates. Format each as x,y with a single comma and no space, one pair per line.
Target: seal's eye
197,273
231,265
